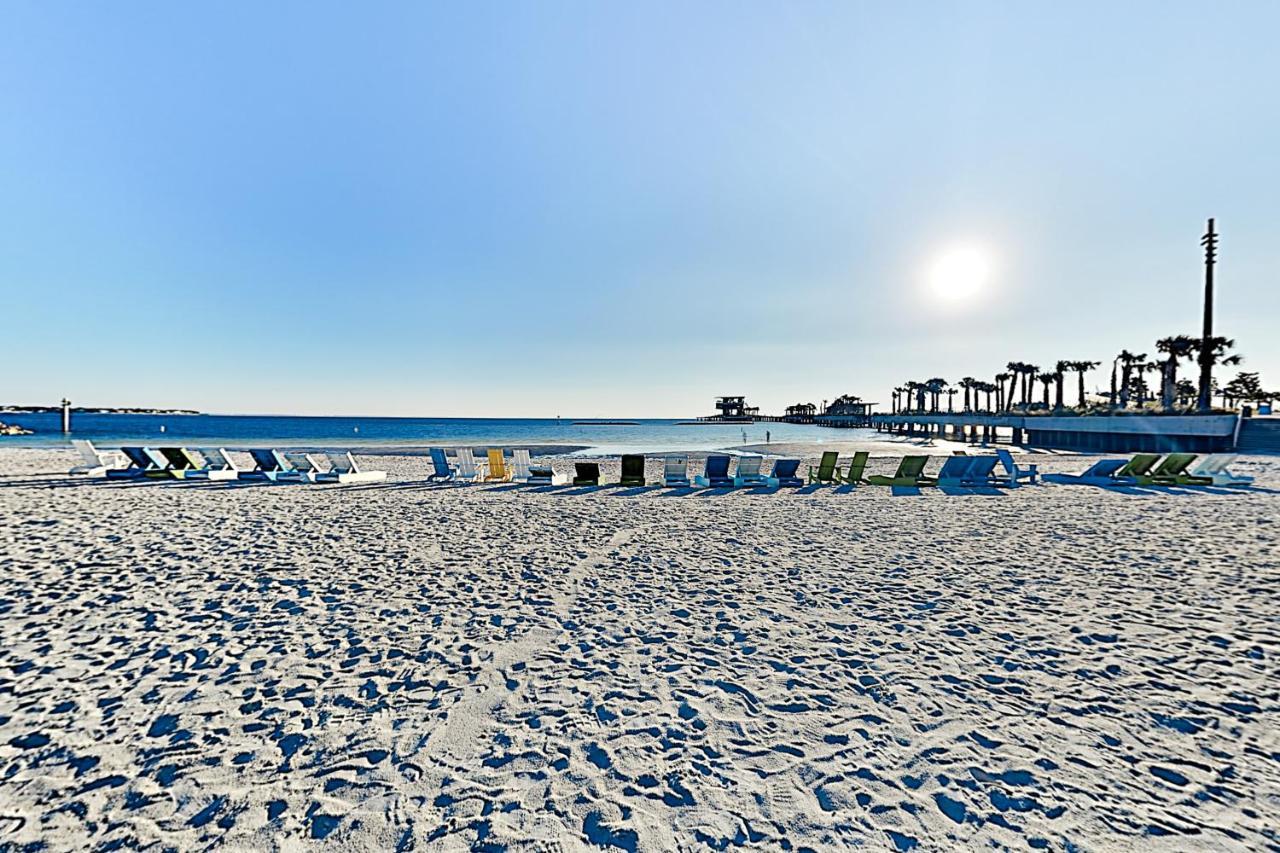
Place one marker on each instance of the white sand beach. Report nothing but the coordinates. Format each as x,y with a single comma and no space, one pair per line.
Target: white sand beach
406,666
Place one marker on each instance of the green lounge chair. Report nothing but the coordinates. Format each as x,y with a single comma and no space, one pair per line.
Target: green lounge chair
826,470
853,474
1168,471
910,473
1139,465
632,470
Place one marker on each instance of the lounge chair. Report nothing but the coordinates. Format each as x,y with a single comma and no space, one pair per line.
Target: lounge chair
542,474
520,464
142,460
498,471
466,468
910,473
215,465
180,460
784,474
748,473
826,470
632,470
715,473
1168,471
94,462
983,472
1212,471
443,471
1104,472
344,469
273,465
1139,465
853,474
587,474
955,471
675,470
1014,473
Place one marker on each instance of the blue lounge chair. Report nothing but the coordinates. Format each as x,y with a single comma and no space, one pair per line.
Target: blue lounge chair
955,471
273,466
142,461
716,473
1013,473
785,474
983,472
1104,472
443,470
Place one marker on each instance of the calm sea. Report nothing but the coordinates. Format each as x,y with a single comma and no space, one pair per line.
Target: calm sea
239,431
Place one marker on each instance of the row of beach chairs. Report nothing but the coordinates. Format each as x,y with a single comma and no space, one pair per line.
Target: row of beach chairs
182,463
1148,469
957,471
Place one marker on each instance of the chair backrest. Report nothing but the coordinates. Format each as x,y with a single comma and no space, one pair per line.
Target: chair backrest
1214,463
1140,464
1174,464
982,467
269,460
179,458
466,462
955,468
342,462
858,465
1006,459
912,466
144,458
675,465
587,470
1105,468
497,462
303,462
520,463
827,465
88,453
632,465
440,461
216,459
717,466
785,469
749,466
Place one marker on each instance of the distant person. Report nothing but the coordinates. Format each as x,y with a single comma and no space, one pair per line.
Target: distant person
767,437
744,436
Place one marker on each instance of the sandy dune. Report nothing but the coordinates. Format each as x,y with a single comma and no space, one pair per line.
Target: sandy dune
402,666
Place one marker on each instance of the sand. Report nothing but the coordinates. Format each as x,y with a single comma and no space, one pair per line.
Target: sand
500,668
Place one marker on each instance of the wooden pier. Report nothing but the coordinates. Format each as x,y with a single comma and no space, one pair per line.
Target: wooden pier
1110,434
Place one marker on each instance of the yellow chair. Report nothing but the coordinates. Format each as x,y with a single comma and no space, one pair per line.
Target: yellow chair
497,466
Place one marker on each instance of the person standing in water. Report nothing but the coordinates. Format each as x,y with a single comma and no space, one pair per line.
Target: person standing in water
767,438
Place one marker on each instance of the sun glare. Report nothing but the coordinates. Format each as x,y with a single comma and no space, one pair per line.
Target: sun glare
959,274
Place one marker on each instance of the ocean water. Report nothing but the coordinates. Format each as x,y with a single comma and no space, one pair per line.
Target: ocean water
240,431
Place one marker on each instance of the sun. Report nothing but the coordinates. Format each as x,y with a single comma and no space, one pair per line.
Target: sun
959,274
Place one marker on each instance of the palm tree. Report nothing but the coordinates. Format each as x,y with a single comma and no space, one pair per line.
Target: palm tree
935,386
951,396
968,384
1059,370
1029,372
1175,347
1048,380
1001,378
1140,379
1015,373
988,388
1081,368
1127,361
1216,354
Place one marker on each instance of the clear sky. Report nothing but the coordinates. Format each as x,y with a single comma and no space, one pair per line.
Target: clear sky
593,209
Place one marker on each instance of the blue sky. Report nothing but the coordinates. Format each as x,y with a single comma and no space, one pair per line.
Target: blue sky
605,209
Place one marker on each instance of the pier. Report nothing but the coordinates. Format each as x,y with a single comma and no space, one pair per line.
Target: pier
1117,434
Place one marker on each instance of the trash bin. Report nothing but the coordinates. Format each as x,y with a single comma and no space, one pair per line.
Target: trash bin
1264,408
1246,411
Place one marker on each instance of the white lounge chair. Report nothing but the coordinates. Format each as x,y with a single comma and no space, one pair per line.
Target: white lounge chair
520,463
675,470
467,468
305,464
95,462
343,469
1214,468
748,473
217,465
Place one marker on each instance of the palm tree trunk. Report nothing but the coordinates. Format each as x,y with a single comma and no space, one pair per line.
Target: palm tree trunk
1080,402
